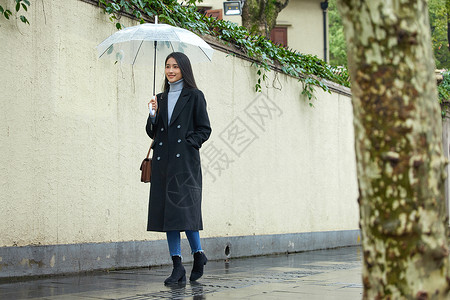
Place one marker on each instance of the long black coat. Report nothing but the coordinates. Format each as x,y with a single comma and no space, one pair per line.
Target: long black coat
176,186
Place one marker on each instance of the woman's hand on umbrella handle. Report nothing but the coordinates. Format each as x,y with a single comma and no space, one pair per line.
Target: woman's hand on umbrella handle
153,106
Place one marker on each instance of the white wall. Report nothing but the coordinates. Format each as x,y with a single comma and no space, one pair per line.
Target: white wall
72,137
446,145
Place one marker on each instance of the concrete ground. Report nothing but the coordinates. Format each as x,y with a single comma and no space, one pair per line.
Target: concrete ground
323,274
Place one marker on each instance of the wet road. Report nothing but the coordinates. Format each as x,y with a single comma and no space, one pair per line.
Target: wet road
323,274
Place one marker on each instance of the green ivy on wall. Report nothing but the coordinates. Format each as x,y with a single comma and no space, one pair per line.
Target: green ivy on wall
309,69
20,4
444,92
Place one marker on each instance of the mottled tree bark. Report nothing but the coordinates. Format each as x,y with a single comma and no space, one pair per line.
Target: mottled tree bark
260,16
400,160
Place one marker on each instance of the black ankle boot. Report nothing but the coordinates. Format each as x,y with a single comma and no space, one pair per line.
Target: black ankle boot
178,272
199,262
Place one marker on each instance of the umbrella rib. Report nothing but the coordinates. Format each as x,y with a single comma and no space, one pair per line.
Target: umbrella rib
137,53
204,53
171,45
105,51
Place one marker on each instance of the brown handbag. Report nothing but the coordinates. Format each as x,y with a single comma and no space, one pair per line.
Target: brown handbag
146,165
146,168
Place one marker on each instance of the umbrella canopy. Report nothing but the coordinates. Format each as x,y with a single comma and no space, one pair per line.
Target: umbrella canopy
136,45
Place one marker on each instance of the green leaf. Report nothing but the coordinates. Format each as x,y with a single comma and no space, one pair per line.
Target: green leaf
7,13
17,6
118,26
1,10
24,20
24,7
26,2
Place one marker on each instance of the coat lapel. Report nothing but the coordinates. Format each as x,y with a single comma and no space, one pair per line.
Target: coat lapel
163,110
181,102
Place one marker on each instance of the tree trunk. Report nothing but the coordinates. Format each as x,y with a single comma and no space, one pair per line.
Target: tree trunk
398,140
260,16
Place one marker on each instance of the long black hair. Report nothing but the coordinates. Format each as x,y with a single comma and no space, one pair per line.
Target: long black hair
186,70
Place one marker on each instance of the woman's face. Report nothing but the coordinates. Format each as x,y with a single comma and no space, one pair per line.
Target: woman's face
173,72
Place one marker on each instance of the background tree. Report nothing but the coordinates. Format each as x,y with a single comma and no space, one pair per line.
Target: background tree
398,140
260,16
338,47
439,32
448,24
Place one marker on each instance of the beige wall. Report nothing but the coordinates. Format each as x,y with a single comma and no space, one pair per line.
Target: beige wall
72,138
305,30
304,22
446,145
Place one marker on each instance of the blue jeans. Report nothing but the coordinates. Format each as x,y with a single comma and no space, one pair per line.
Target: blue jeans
174,241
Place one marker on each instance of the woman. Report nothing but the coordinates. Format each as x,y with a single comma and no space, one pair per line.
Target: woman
178,124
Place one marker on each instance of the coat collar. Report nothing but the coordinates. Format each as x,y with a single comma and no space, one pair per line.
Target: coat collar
181,102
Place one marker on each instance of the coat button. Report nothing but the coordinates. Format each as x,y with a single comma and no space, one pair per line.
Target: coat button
160,143
158,158
179,126
178,154
179,141
162,129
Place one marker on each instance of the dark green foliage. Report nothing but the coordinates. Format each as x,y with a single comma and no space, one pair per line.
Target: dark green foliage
338,46
444,92
438,22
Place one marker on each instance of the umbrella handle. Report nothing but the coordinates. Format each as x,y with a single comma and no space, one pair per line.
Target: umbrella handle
154,61
154,69
152,111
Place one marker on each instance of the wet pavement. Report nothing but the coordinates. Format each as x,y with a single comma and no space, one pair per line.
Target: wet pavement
323,274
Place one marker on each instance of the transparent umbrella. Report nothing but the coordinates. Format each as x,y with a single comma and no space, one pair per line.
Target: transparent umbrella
149,44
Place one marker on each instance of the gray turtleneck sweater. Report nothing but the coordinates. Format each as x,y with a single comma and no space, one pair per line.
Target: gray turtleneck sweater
174,94
172,97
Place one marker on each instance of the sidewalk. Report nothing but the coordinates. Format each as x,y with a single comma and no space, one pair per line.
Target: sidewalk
323,274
